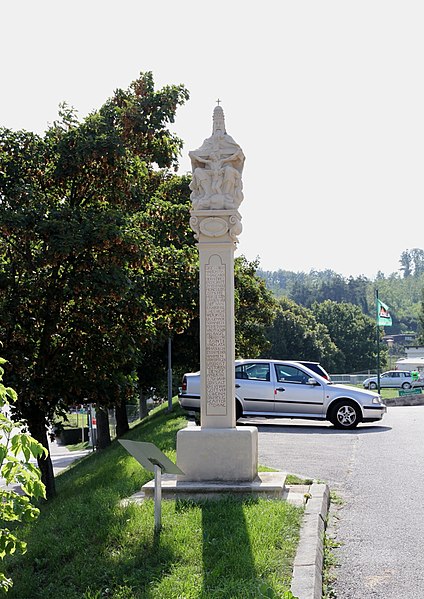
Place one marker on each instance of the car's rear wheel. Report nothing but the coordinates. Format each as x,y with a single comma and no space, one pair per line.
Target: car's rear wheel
406,385
345,414
239,410
372,385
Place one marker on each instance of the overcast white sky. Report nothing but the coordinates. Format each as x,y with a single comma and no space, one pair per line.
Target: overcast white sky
326,98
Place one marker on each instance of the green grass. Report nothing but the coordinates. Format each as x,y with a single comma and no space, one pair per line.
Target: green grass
79,446
73,420
385,393
389,393
87,545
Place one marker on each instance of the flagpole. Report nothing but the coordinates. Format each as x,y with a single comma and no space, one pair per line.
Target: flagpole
378,340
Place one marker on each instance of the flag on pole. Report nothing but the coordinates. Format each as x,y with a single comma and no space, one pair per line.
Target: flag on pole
383,315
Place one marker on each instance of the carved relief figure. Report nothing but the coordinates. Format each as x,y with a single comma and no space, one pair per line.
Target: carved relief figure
217,167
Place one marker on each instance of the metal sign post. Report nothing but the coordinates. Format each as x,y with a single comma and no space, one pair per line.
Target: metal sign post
169,374
158,498
151,458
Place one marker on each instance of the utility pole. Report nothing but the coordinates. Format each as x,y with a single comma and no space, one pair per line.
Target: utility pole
378,340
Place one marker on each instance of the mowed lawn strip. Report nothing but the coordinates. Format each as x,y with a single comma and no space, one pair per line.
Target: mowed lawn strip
88,545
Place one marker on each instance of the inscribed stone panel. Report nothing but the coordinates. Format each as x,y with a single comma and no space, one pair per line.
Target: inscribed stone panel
216,338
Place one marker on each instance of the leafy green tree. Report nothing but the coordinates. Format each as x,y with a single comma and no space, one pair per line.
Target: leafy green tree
353,332
357,293
254,307
16,450
296,334
85,252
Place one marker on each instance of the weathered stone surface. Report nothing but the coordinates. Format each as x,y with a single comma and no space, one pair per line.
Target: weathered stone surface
217,168
218,451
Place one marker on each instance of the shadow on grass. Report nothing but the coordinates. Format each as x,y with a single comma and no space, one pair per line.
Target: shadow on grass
87,545
229,567
228,561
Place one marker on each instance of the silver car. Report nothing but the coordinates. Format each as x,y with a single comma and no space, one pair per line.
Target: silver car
288,389
393,379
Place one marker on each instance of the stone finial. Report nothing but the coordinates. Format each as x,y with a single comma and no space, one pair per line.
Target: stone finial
217,168
218,120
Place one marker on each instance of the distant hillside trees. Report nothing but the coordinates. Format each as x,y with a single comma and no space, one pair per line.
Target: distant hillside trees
401,290
412,262
317,286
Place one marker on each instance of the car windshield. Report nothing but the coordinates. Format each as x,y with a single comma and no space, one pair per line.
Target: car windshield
315,367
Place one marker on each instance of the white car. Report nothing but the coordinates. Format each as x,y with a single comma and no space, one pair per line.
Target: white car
393,379
288,389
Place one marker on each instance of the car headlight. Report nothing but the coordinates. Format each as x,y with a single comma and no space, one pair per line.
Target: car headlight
377,399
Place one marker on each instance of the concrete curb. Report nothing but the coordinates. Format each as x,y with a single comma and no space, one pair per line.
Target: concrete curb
308,563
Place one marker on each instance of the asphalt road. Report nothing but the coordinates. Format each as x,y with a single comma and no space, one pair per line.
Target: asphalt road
377,470
61,457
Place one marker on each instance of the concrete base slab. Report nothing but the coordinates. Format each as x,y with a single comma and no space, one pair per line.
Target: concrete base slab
266,484
218,454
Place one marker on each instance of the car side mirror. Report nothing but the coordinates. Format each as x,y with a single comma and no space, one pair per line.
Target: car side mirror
312,382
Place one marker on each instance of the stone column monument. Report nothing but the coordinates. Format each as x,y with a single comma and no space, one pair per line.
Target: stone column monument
218,450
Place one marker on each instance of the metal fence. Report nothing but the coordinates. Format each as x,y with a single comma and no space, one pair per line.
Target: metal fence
133,414
351,379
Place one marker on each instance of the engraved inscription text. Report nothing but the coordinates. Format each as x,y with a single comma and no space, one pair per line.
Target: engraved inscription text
216,376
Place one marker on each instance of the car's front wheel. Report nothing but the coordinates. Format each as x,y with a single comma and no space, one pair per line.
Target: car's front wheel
372,385
239,410
345,414
406,385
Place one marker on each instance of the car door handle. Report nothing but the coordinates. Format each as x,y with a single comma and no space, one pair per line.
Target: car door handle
237,386
280,389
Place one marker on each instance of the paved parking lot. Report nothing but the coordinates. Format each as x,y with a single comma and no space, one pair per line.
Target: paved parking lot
377,470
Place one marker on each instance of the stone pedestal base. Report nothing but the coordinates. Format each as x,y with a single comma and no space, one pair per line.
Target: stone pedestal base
218,454
267,484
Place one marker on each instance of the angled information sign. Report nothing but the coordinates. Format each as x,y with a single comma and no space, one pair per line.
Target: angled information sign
151,458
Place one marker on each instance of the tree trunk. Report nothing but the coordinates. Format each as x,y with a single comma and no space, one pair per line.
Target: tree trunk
142,405
103,432
121,416
37,429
